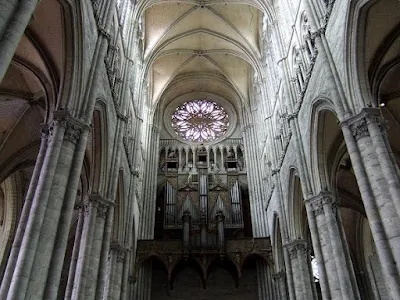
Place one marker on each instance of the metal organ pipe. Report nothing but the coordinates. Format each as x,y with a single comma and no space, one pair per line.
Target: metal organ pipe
170,204
237,216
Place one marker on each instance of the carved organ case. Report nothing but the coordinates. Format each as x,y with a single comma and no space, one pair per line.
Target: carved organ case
202,195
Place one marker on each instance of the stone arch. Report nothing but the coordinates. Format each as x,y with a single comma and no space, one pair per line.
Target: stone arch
160,285
98,146
118,230
189,263
362,70
150,257
373,70
323,117
255,255
227,264
297,216
12,192
277,244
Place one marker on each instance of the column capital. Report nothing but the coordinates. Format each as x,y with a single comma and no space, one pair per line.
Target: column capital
131,279
102,204
279,275
119,250
73,127
358,124
318,202
297,246
45,131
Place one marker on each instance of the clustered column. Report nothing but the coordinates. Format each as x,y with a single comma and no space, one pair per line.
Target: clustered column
336,271
300,265
43,234
117,258
377,176
87,267
280,279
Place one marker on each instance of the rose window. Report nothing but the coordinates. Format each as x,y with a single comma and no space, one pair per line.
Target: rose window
200,121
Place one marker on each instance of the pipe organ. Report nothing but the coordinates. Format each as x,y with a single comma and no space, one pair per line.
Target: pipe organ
202,194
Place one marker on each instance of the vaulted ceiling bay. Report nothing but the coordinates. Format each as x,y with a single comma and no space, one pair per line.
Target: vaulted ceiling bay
194,46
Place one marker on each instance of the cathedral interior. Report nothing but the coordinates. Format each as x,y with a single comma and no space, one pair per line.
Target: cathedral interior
199,149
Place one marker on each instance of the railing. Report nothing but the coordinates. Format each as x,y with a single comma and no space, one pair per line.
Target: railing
176,144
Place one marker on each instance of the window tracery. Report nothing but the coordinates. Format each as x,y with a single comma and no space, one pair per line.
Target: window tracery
200,121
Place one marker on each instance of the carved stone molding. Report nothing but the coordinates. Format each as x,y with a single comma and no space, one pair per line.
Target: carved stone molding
279,276
297,249
73,127
358,124
118,250
171,252
102,205
318,202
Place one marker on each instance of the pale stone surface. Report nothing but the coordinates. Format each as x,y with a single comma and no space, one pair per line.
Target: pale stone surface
313,87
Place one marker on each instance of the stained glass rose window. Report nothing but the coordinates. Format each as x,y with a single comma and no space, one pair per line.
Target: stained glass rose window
200,121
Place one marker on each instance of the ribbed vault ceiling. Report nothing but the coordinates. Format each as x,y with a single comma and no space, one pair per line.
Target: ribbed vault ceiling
201,47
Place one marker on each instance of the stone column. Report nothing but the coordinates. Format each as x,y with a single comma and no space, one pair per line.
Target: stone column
117,258
146,231
14,18
42,228
16,246
335,257
302,274
75,253
90,246
92,279
280,279
362,141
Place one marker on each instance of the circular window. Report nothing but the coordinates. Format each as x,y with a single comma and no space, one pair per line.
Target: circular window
200,121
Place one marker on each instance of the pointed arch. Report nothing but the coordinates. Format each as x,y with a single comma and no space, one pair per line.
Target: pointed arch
297,216
277,244
226,264
191,264
324,130
118,230
98,143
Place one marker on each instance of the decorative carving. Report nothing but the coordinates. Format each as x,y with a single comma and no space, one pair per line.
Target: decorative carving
103,32
279,276
100,203
358,124
73,127
102,210
119,251
131,279
170,252
72,132
297,249
317,203
359,129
